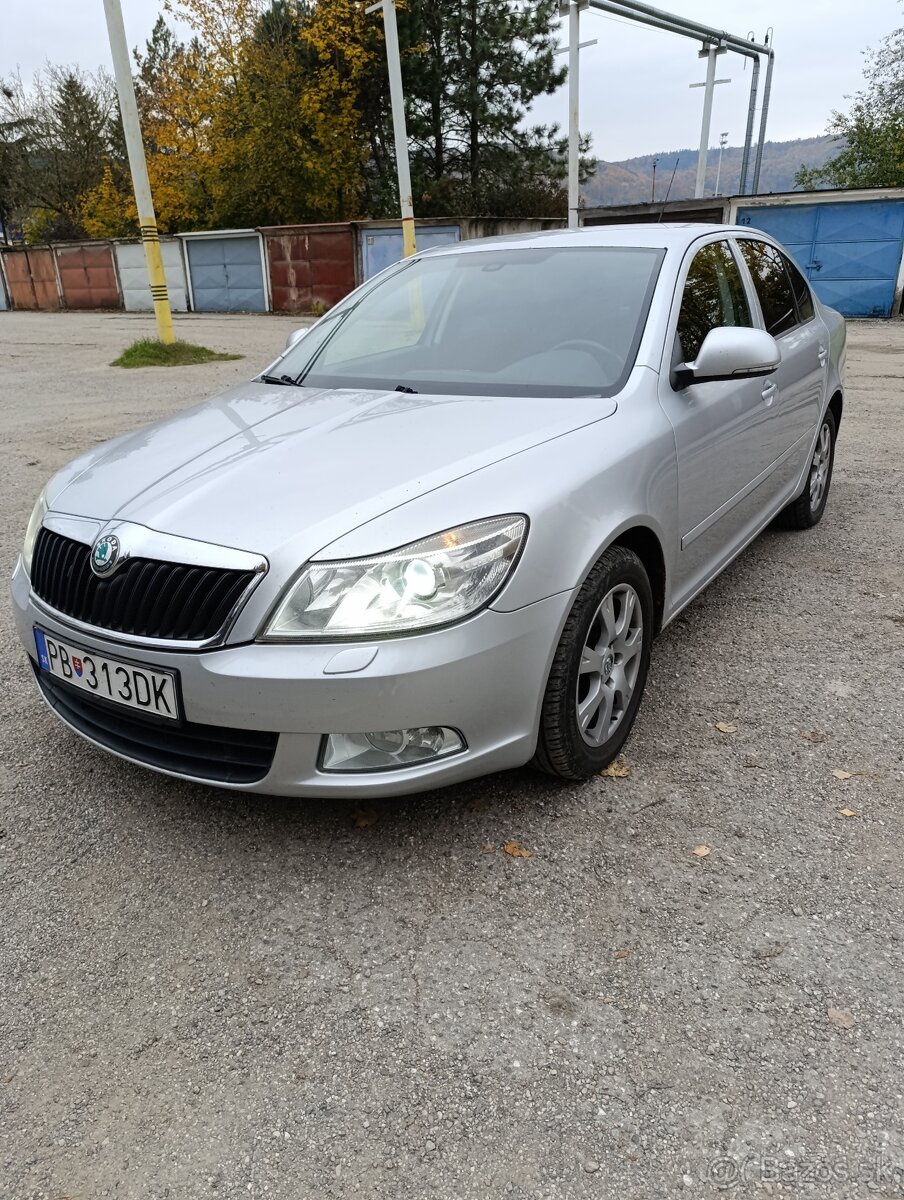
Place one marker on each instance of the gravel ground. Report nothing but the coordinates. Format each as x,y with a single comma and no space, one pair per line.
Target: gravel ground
207,994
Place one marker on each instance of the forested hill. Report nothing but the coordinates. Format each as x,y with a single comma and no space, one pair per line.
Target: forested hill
630,181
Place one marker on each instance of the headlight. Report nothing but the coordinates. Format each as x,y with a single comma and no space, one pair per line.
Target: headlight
432,582
32,529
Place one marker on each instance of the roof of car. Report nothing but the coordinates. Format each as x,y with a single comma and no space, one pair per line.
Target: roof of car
665,235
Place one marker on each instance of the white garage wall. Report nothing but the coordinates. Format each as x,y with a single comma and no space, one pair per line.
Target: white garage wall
133,276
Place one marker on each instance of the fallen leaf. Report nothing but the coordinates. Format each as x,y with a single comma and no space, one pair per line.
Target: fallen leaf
489,848
364,817
622,953
726,727
617,769
847,812
516,850
701,851
841,1018
839,774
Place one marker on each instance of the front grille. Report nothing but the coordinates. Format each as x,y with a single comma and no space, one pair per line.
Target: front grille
203,751
145,597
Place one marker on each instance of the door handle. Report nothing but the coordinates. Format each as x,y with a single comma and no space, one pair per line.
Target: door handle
770,391
822,354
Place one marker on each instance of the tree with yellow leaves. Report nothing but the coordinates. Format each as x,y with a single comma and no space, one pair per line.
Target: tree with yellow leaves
280,138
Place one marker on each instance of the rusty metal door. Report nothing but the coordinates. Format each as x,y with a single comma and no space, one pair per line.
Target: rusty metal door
88,276
309,266
32,279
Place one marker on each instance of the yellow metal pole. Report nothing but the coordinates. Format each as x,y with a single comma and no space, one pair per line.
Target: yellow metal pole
400,132
147,221
157,278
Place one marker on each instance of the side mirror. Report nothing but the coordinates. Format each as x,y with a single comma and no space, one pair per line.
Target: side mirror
731,352
296,335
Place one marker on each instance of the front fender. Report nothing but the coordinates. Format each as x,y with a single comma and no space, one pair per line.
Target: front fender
579,491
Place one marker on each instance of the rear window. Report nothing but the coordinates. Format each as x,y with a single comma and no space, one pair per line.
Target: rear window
537,321
801,289
772,284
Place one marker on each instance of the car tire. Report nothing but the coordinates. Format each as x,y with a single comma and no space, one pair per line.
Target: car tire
806,510
598,671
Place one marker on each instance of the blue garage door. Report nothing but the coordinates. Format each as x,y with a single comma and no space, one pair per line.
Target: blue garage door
226,274
851,251
382,247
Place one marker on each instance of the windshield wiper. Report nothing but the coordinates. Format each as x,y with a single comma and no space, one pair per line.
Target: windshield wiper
285,380
400,387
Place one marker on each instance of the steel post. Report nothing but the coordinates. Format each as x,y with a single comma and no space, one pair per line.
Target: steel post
764,115
147,220
574,86
399,128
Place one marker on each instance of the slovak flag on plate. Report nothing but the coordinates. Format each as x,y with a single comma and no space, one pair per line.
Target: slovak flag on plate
77,666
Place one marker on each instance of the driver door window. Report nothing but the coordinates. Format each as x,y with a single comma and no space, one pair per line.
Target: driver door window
713,296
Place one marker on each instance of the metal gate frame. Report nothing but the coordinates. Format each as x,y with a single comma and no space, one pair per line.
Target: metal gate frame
822,198
209,235
25,252
64,250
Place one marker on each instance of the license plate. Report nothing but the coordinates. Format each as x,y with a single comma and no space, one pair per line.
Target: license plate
109,678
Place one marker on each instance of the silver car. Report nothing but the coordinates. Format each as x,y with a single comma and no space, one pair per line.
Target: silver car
437,537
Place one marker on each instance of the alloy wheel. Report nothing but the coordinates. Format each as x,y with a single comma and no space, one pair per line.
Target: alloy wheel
610,661
819,468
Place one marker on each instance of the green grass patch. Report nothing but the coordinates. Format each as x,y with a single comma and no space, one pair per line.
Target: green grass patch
149,352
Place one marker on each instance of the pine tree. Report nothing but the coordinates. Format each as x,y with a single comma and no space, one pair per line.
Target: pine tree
65,124
471,70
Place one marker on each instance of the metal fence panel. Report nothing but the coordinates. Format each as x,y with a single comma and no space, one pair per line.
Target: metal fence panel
31,275
309,266
133,276
381,248
226,273
850,249
88,276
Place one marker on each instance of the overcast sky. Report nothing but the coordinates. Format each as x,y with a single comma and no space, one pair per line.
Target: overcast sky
635,97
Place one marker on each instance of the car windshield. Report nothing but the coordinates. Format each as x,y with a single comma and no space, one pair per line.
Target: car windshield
550,321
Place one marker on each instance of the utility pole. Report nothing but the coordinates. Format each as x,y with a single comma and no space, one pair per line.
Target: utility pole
575,46
710,53
723,142
399,128
574,104
653,188
147,221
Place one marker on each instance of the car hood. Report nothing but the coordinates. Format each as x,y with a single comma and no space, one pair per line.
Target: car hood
263,467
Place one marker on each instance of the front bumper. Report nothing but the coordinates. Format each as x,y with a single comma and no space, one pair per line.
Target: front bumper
484,677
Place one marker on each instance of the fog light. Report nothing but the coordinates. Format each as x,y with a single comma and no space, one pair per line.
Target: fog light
390,748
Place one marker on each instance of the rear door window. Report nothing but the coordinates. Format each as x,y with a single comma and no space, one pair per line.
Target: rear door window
773,285
801,289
